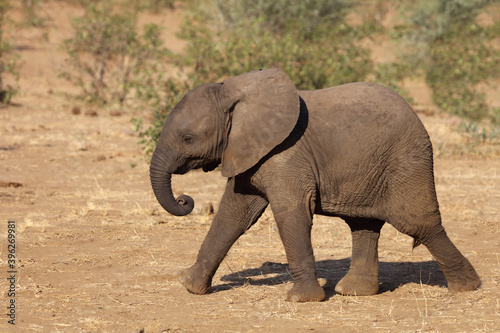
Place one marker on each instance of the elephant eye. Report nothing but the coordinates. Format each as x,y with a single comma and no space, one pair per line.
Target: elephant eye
187,139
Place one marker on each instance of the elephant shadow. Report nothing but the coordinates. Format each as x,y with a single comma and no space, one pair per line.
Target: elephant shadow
392,275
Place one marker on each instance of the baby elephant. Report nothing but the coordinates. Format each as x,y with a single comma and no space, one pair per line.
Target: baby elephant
356,151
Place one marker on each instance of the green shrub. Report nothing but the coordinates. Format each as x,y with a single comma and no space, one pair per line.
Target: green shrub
455,54
391,75
154,6
476,135
32,15
110,58
8,59
310,41
149,135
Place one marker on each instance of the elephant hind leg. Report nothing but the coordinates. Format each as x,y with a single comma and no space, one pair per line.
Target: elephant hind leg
459,273
363,276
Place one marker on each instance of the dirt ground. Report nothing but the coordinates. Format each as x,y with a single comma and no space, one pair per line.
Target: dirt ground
96,253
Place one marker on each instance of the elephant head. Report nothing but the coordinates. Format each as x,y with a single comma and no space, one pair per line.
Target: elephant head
234,123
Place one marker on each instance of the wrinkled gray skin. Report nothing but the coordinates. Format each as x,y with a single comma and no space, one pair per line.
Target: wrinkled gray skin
356,151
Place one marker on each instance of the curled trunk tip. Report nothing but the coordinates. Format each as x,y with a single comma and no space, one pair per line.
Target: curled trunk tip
161,183
185,204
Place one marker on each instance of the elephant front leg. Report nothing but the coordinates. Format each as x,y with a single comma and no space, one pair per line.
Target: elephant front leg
295,232
237,212
363,276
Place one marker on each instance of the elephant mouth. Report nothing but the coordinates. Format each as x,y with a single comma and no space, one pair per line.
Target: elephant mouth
210,166
182,170
195,164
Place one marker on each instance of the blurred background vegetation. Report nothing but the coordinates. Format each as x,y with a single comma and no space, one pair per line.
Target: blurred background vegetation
8,59
318,43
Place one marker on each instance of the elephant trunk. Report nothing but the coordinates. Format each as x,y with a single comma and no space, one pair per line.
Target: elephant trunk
161,176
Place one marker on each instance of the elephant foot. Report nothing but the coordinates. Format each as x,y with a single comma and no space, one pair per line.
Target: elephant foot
190,279
357,285
465,281
309,293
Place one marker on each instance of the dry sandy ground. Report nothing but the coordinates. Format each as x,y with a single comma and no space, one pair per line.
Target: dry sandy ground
96,253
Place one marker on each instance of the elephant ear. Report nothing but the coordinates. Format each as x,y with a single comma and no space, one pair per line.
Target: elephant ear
265,109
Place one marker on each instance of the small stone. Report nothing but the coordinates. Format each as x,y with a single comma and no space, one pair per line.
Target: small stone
76,110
